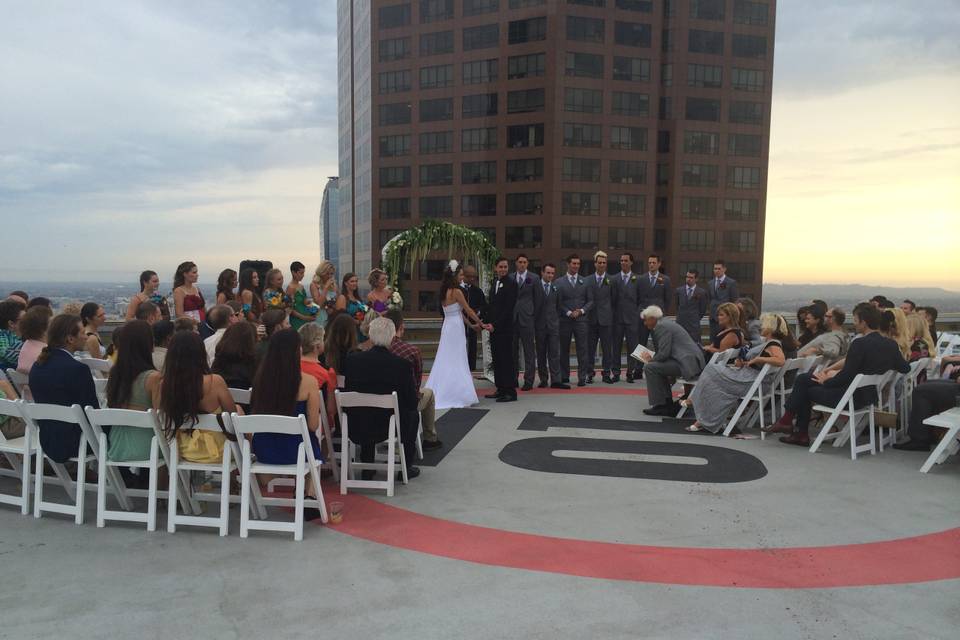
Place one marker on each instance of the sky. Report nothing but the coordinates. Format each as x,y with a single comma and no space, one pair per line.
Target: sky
136,134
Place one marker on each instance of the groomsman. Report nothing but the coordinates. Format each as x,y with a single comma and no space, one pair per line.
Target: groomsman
691,303
477,301
498,314
529,301
548,332
600,318
722,289
655,291
575,301
626,316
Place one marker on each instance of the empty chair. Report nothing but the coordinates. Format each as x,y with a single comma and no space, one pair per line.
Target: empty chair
17,452
348,467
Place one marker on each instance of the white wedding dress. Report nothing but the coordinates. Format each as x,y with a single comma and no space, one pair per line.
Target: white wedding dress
450,377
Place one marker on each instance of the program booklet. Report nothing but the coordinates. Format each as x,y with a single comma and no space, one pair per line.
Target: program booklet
639,351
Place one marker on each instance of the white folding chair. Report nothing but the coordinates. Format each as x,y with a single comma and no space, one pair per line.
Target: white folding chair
306,464
99,368
100,385
21,383
910,382
14,448
353,399
241,396
341,382
855,418
754,394
718,359
948,445
893,383
780,390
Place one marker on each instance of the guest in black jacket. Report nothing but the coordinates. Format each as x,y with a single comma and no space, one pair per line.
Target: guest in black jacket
379,371
870,354
57,378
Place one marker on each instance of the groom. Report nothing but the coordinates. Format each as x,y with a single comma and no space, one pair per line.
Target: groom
498,316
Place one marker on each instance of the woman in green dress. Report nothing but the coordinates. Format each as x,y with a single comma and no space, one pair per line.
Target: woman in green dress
130,386
303,310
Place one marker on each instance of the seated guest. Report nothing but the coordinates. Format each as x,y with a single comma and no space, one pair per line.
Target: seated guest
40,301
148,312
930,314
58,378
720,389
811,322
93,317
749,320
149,283
908,306
676,355
162,333
10,426
870,354
730,335
186,390
921,346
340,341
186,324
821,304
833,344
893,324
10,343
235,359
220,317
379,371
19,296
33,331
273,320
311,348
131,384
426,405
929,399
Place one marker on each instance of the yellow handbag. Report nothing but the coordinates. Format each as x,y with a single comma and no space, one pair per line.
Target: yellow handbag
204,447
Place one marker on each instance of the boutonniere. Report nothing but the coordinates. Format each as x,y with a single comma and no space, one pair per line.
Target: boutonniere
528,280
633,278
606,281
659,279
723,285
579,280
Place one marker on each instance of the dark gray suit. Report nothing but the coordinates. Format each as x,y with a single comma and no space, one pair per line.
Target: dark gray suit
725,292
600,321
676,355
626,319
529,301
691,309
569,298
548,336
657,294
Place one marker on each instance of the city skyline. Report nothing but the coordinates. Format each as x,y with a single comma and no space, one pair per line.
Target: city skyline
135,154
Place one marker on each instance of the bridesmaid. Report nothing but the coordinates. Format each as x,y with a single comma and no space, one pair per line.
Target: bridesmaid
187,298
323,290
273,293
249,295
379,297
226,283
303,310
349,301
149,283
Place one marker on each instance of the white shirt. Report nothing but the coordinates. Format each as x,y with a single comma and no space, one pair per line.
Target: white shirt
521,277
625,276
211,344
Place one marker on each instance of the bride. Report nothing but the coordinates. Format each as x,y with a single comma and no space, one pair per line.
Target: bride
450,377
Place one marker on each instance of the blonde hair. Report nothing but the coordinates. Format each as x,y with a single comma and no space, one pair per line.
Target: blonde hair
71,309
898,331
269,276
374,276
599,254
325,267
774,325
732,311
310,334
918,328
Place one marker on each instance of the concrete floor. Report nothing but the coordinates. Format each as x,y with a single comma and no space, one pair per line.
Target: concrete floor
62,580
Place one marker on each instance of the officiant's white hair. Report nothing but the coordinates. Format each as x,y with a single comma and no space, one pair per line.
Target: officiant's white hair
382,332
653,311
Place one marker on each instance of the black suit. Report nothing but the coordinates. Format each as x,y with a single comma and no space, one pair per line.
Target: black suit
64,381
499,313
379,371
476,300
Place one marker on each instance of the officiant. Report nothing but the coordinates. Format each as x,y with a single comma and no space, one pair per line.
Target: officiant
676,355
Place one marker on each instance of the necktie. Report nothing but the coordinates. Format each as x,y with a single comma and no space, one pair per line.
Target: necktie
573,280
689,292
546,288
716,284
519,279
625,276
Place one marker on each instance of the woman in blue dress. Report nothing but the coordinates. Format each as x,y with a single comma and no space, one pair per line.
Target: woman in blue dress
349,301
323,291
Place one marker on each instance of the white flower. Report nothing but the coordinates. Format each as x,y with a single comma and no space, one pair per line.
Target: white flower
452,265
395,298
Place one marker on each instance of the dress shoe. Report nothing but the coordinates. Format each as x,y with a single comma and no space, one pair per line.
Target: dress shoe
507,398
778,428
559,385
801,440
658,410
543,385
412,472
607,379
493,396
432,445
630,378
581,383
912,445
566,381
615,378
526,387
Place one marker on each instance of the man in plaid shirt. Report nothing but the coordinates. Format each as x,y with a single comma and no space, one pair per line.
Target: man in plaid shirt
426,406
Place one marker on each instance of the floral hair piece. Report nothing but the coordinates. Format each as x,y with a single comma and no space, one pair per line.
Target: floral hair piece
453,265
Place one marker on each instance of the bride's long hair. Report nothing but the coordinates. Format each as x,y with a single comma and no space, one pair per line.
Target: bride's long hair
451,279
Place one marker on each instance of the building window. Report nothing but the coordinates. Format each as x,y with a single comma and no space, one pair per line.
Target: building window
431,270
386,235
481,37
661,207
478,139
630,104
583,100
397,15
706,109
742,271
631,34
704,75
435,10
625,238
436,207
396,113
701,175
745,46
394,81
526,169
528,66
707,9
666,75
574,203
746,112
631,138
525,135
436,142
628,172
622,205
666,40
696,240
642,6
480,105
480,205
705,42
427,300
702,142
525,101
659,239
588,3
580,170
394,49
741,209
522,4
436,109
432,44
490,232
743,144
665,112
740,241
743,177
482,172
745,12
480,71
583,29
529,30
436,77
747,79
523,237
392,146
579,134
703,269
698,208
663,142
478,7
524,204
584,65
436,175
394,208
579,237
663,174
631,69
393,177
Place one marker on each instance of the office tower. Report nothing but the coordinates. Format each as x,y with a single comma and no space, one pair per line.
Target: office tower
330,223
557,127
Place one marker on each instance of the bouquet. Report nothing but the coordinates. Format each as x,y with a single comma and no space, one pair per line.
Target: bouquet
361,313
396,300
312,307
276,300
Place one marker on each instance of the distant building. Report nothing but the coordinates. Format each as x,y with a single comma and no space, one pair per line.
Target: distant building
330,222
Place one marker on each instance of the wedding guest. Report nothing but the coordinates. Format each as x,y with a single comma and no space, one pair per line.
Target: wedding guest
58,378
162,334
722,288
379,297
226,283
893,324
149,312
922,345
323,290
821,304
303,309
220,317
728,334
929,399
40,301
19,296
273,320
834,343
930,314
249,294
676,355
349,301
149,284
273,293
810,319
749,320
186,324
311,349
187,298
33,332
10,426
426,404
11,311
93,317
131,385
908,306
476,300
235,358
72,308
340,341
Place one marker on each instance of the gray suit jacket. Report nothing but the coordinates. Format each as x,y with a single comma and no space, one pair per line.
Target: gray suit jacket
726,293
570,297
657,294
548,318
628,307
604,300
691,311
672,342
529,300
